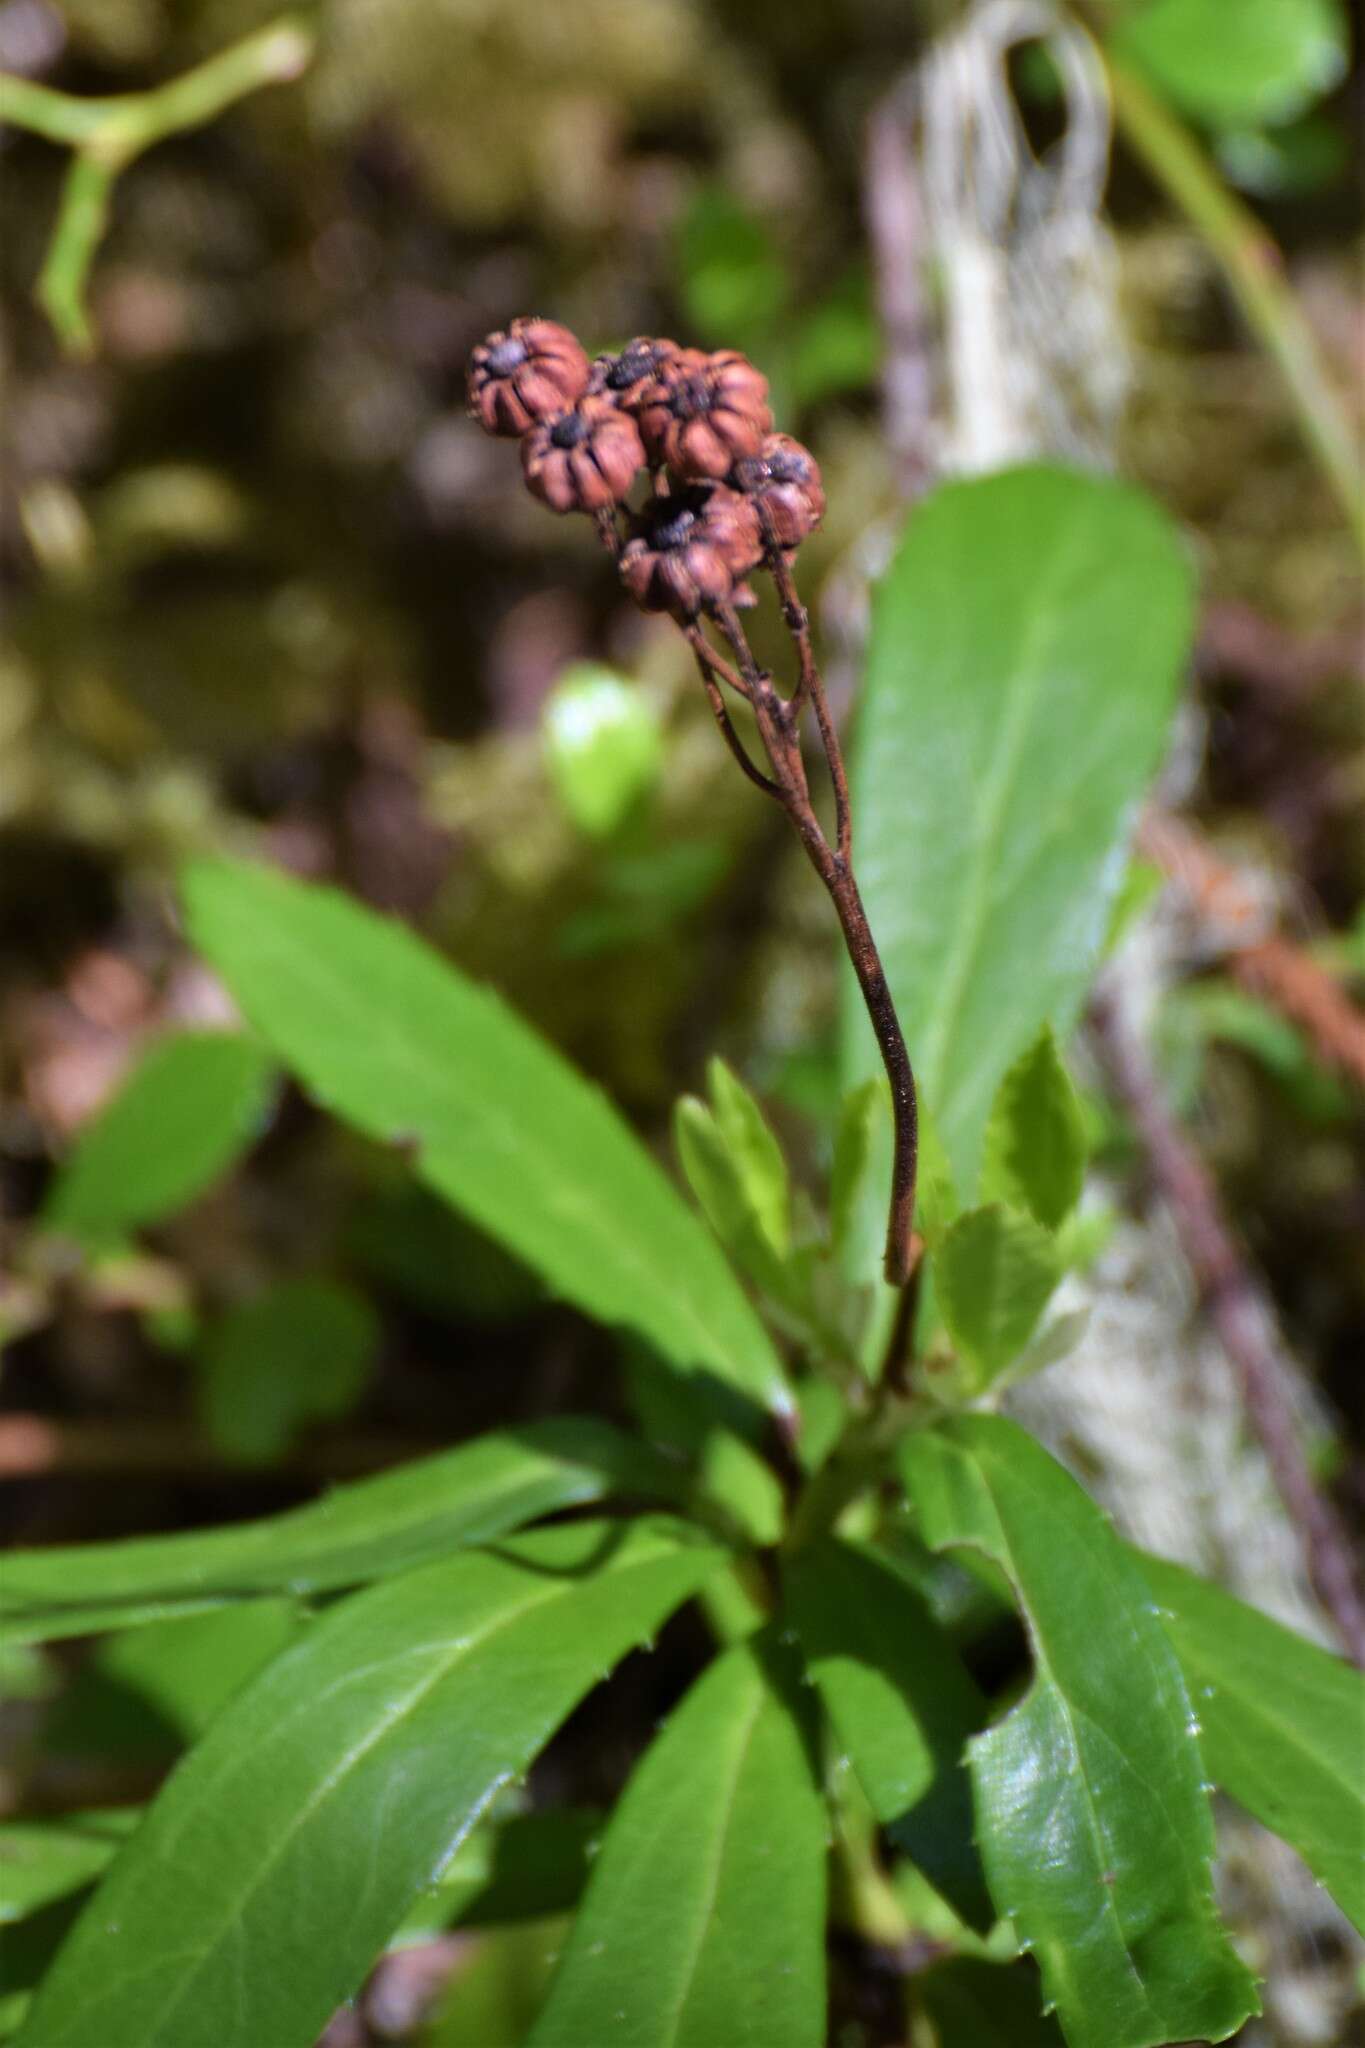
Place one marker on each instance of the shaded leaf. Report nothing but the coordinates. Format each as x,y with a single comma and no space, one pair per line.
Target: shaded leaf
299,1353
1092,1814
1283,1725
368,1529
993,1274
281,1855
192,1105
393,1038
43,1861
703,1921
902,1706
1003,742
1035,1139
985,2005
524,1868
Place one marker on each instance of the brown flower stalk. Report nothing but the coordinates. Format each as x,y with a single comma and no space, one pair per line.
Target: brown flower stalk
729,496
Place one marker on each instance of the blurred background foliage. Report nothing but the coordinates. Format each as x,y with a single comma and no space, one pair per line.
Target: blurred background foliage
266,587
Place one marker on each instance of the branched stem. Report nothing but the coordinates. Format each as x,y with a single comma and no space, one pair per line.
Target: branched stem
779,720
106,134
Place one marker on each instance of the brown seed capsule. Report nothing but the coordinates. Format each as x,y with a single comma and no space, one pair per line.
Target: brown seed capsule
624,375
699,413
584,458
783,479
518,377
688,551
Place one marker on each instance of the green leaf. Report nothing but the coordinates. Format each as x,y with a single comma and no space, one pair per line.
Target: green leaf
758,1159
603,746
43,1861
192,1105
390,1036
497,1990
523,1868
734,283
1092,1812
703,1921
1026,645
730,1484
993,1275
183,1670
984,2005
902,1706
299,1353
1283,1725
1035,1139
734,1167
1259,61
281,1855
368,1529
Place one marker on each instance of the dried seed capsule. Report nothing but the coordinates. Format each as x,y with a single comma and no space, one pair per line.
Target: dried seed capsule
518,377
624,375
584,458
783,479
687,552
699,413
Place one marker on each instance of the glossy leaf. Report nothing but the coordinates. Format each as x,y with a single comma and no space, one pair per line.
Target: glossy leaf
1256,61
1283,1725
703,1921
298,1353
281,1855
603,745
1035,1139
393,1038
368,1529
1003,742
994,1272
1092,1813
901,1703
191,1106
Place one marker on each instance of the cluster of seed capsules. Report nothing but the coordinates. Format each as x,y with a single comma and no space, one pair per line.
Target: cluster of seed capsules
726,491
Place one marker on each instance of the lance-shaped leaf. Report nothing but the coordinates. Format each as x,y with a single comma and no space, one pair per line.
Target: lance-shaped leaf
703,1922
1035,1140
902,1706
368,1529
285,1850
994,1272
1283,1725
1004,738
1092,1812
390,1036
43,1861
193,1103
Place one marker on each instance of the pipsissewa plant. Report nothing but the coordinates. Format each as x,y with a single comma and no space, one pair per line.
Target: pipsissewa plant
424,1633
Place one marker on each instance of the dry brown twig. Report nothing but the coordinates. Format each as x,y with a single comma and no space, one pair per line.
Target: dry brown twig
1268,964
